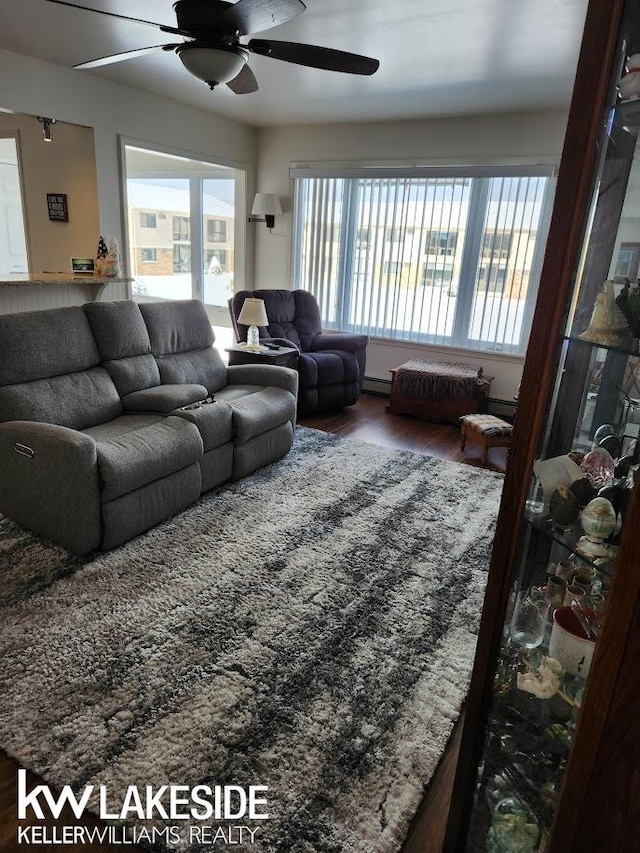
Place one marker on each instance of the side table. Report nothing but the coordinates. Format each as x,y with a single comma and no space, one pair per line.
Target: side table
282,357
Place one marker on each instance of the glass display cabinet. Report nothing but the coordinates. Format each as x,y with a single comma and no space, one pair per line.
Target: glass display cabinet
550,750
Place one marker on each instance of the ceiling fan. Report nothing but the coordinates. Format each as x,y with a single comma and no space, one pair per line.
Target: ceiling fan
213,52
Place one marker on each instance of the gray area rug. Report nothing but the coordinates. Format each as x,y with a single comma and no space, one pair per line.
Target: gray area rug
311,628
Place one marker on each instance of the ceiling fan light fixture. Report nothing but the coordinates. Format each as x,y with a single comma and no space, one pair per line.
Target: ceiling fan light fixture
213,65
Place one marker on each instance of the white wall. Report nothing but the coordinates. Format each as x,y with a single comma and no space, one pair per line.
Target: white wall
513,138
30,86
65,165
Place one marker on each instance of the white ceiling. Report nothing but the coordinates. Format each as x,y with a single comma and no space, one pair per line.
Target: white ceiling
437,57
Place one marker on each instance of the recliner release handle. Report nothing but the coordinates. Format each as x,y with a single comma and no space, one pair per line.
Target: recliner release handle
23,450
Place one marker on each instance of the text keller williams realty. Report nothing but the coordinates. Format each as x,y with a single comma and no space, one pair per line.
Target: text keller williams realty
167,803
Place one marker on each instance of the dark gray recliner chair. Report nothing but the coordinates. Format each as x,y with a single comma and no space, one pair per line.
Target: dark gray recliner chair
331,364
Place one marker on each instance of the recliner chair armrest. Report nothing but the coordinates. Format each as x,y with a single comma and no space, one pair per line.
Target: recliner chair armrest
50,483
264,374
339,340
284,342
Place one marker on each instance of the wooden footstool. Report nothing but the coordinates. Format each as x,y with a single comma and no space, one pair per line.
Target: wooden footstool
487,430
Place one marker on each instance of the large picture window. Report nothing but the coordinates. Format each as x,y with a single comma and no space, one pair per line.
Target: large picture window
444,258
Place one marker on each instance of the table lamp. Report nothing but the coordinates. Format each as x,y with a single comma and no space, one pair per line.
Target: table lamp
253,314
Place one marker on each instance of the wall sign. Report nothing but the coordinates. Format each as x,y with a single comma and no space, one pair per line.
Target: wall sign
57,206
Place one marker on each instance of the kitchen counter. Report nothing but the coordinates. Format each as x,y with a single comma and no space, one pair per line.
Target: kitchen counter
34,291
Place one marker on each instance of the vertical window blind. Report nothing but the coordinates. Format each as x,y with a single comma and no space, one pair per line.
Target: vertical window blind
444,258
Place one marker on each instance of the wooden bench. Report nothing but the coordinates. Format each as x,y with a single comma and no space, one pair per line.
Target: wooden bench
486,430
439,391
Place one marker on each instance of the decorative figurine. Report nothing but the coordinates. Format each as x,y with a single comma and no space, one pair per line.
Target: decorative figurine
598,521
608,324
110,266
101,256
544,683
598,467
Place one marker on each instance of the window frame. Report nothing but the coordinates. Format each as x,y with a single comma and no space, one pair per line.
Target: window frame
473,256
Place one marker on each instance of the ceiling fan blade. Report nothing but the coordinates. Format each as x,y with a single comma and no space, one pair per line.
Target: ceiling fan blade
120,57
254,16
314,57
113,15
244,83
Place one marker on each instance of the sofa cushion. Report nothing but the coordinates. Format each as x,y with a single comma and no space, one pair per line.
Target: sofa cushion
182,343
76,400
259,411
40,344
235,392
198,367
163,398
177,326
132,459
134,373
121,425
123,343
118,328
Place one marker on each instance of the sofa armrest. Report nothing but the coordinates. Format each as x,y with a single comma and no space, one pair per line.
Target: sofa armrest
264,374
339,340
50,484
163,398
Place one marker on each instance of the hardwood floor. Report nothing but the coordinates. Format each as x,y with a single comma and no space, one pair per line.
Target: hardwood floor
369,422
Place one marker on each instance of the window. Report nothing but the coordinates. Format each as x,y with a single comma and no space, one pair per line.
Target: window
437,276
216,231
13,245
181,229
430,257
492,279
147,220
181,257
496,244
441,243
183,264
392,268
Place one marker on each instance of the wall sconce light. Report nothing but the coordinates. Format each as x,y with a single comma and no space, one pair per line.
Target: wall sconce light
46,127
268,205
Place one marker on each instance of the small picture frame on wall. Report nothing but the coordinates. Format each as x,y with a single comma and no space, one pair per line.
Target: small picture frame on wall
57,207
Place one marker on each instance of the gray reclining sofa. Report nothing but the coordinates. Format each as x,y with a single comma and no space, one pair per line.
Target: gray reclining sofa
95,445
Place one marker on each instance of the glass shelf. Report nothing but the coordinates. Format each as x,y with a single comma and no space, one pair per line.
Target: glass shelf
568,538
631,349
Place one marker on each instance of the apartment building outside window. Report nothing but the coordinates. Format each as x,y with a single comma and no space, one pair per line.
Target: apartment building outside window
431,256
148,220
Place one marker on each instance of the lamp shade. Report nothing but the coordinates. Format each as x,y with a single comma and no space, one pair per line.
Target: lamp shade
266,204
253,313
